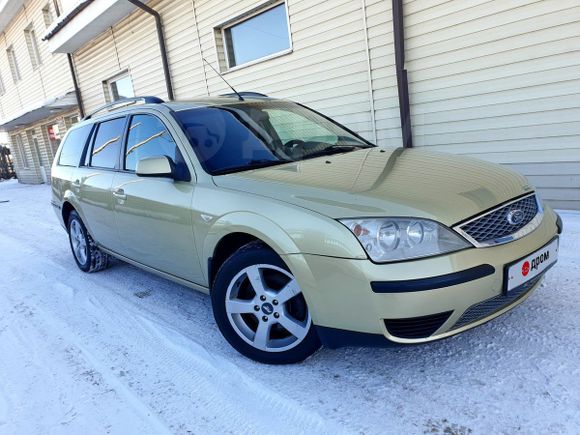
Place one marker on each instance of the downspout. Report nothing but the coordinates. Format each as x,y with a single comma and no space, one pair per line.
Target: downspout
76,85
162,47
402,82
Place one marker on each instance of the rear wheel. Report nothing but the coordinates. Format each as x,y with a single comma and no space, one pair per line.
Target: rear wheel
87,255
260,309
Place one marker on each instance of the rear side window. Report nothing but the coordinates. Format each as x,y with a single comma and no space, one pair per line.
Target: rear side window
148,137
74,145
107,144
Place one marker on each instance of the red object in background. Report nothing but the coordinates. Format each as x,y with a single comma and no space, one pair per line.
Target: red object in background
51,134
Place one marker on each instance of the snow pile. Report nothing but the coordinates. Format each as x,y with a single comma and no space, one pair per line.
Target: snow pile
124,352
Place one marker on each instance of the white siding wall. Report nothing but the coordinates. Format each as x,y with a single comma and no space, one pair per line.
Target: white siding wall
49,80
30,172
384,80
129,46
500,80
496,79
327,69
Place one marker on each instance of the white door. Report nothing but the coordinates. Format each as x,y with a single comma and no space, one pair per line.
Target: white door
41,162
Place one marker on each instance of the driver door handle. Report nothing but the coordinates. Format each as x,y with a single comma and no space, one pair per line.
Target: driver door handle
119,194
76,184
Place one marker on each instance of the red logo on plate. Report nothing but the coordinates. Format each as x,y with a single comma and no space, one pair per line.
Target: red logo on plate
525,268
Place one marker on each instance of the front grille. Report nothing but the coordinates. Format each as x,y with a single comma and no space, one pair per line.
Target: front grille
495,225
416,327
488,307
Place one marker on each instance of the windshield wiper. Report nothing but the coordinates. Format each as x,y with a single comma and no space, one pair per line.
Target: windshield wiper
336,149
252,164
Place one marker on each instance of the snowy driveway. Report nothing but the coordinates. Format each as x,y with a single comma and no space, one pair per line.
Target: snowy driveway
126,352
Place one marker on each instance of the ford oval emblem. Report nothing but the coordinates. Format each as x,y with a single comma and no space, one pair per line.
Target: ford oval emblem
515,217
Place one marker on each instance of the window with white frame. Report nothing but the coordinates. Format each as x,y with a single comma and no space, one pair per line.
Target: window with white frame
20,151
118,87
2,88
14,70
259,35
47,15
32,44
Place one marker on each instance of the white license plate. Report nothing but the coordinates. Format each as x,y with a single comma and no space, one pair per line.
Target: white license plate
531,266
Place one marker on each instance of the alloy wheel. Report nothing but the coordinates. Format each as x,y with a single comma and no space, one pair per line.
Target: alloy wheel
266,308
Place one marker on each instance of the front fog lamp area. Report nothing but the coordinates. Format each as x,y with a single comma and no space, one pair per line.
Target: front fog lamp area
395,239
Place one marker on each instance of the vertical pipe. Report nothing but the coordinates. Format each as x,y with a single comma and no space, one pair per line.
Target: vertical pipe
402,81
161,38
76,85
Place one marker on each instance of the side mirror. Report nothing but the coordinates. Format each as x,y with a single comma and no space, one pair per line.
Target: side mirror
157,166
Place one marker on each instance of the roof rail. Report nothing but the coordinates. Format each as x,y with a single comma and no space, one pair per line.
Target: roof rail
246,94
117,104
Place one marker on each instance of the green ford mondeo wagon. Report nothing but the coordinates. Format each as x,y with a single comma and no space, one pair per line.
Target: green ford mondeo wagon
302,232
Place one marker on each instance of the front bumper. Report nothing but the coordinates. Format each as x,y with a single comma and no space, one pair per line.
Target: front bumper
349,309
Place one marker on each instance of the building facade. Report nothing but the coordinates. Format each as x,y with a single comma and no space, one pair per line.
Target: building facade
37,99
494,79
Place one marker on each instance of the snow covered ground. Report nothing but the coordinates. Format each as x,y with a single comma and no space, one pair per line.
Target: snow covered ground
126,352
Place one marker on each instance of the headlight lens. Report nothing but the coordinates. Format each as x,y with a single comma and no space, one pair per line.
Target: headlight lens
395,239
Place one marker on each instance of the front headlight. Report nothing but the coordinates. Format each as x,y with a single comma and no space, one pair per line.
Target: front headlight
395,239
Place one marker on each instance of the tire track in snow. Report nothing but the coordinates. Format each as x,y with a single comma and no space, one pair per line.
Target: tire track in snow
51,357
174,360
517,374
212,372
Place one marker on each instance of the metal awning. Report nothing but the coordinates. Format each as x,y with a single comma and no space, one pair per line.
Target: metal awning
83,22
8,10
45,110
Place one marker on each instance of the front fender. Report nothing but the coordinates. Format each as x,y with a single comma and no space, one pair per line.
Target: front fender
287,229
253,224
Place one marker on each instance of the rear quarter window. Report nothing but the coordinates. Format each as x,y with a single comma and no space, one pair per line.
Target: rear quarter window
74,145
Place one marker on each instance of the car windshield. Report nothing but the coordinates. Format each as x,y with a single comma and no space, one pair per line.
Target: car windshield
249,135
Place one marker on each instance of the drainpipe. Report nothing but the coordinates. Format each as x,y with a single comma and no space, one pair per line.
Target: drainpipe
76,85
402,82
161,39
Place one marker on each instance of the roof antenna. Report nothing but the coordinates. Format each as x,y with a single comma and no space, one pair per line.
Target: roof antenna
221,77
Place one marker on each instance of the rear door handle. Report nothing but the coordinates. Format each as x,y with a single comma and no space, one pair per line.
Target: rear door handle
119,194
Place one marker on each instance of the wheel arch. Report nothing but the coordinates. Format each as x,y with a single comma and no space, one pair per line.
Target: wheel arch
69,204
67,208
231,232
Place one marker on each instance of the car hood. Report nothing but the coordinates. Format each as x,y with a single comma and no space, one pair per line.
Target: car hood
385,182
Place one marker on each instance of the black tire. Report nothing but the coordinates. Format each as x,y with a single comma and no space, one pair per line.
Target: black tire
96,260
253,254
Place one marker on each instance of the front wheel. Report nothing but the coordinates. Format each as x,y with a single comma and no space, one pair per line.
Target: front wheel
260,309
